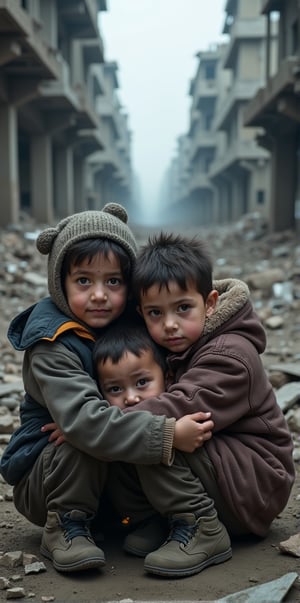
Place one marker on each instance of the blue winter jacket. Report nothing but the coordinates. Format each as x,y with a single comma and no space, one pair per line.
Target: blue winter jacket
41,321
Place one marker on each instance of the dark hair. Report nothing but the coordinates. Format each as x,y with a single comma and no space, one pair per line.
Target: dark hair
120,337
88,248
169,258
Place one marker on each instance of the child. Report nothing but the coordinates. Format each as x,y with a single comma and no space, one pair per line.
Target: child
130,366
91,255
214,340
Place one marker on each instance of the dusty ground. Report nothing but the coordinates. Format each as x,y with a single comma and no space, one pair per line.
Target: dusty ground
254,562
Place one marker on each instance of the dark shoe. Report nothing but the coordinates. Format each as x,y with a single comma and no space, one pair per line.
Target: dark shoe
192,545
147,537
68,543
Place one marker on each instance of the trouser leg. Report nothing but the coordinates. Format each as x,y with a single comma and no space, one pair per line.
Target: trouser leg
124,490
189,485
62,479
138,491
202,466
175,489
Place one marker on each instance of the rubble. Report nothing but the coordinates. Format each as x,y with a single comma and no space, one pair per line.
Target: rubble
270,264
291,546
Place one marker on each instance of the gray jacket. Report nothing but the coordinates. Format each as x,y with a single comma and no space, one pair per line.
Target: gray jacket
59,385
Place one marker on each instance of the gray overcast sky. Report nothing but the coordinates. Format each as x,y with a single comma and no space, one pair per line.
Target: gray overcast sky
154,43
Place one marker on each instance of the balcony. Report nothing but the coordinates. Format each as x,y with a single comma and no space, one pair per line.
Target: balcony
106,158
240,151
67,99
199,181
205,92
23,51
271,5
265,106
87,142
243,30
241,91
107,110
93,50
79,17
202,139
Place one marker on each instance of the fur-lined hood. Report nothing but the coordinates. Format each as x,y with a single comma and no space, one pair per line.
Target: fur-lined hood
234,313
233,295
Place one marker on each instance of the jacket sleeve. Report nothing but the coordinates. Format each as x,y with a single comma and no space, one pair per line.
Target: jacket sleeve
55,378
216,383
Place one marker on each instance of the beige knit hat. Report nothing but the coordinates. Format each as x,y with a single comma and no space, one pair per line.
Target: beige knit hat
109,223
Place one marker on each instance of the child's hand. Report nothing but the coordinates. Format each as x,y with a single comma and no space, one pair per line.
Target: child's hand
56,436
191,434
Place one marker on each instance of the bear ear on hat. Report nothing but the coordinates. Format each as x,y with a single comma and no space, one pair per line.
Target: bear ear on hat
116,210
47,237
45,240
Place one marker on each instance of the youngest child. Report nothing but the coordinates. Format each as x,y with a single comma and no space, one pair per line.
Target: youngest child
130,366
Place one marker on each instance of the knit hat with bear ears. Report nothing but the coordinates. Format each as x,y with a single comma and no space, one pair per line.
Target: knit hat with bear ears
109,223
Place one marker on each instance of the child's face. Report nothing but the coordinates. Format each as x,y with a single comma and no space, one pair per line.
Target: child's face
131,380
96,291
174,317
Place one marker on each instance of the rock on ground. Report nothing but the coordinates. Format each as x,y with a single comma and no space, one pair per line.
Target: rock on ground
270,264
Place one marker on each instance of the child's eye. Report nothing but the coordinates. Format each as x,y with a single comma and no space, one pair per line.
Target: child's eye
114,281
115,389
83,280
154,313
142,382
184,307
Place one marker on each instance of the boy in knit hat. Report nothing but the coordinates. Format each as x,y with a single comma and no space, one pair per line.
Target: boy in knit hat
214,341
90,259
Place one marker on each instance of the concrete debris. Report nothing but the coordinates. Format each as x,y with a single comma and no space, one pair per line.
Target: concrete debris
291,545
15,593
35,568
12,559
268,263
4,583
269,592
288,395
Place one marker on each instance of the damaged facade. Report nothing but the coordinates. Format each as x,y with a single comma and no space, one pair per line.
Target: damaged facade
65,140
242,147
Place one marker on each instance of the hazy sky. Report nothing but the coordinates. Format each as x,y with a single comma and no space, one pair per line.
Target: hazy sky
154,43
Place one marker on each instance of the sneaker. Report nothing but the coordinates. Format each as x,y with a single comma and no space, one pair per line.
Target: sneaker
147,537
192,545
67,541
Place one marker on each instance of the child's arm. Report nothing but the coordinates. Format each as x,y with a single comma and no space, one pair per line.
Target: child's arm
56,435
191,431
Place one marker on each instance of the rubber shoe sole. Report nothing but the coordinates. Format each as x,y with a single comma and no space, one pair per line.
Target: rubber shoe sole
134,551
189,571
75,566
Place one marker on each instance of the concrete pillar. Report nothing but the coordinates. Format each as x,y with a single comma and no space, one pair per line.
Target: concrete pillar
64,182
9,177
215,204
42,179
284,183
98,184
79,180
236,210
239,200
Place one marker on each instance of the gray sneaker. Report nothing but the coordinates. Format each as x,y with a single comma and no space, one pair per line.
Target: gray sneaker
147,537
192,545
68,543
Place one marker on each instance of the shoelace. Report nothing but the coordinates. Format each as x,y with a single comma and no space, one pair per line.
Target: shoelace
73,528
181,531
